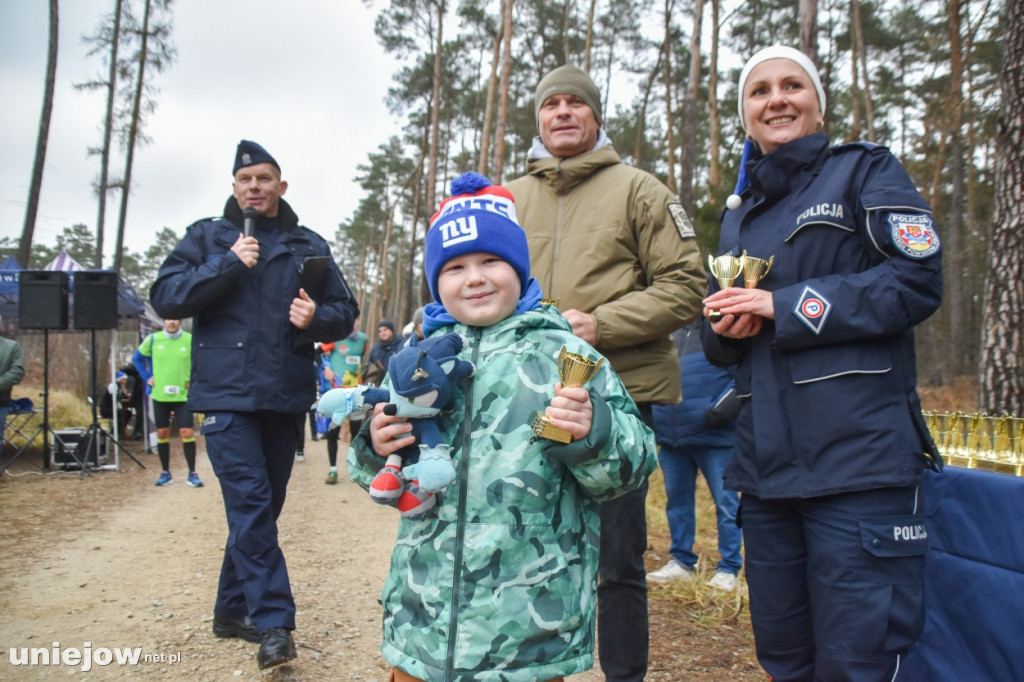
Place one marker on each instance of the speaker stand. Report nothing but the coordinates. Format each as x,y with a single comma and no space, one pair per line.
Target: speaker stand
45,429
94,430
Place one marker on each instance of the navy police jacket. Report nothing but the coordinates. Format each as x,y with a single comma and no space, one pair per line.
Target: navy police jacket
830,384
246,355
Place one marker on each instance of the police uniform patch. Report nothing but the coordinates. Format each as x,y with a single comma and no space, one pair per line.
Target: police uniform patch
682,221
812,309
913,234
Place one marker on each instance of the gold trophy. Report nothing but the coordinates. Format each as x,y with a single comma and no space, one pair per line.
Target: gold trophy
725,270
574,371
754,269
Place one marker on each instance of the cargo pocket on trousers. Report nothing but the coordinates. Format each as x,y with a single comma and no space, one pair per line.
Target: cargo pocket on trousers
894,549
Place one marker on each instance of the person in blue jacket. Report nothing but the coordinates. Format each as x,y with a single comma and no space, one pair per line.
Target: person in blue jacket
258,303
830,441
698,433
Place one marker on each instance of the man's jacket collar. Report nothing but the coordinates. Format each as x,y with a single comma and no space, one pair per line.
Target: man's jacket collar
233,214
565,174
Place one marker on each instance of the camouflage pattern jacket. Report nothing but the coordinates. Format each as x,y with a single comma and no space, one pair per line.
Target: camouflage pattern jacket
500,581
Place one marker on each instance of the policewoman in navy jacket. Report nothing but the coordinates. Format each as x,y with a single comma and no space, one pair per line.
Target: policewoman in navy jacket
830,438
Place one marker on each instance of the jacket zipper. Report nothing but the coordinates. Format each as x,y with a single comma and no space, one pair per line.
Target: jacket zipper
460,522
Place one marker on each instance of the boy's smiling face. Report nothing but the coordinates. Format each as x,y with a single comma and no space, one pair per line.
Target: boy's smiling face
478,289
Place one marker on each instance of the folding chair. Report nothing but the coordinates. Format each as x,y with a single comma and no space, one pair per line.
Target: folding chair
18,417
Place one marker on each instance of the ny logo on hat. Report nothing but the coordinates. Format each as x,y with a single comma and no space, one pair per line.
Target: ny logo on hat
458,230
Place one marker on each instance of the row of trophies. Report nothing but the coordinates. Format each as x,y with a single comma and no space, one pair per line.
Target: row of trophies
979,441
726,269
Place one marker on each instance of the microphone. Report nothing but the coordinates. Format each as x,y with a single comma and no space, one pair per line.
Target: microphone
249,216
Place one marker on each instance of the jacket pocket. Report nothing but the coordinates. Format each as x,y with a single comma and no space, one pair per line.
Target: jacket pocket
222,355
886,597
215,422
809,365
901,535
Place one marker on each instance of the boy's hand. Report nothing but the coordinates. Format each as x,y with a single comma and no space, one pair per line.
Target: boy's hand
571,410
386,432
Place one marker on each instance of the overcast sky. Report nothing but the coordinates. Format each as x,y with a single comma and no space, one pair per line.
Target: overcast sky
306,79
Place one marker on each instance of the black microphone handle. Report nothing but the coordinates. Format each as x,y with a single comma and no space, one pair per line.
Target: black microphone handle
249,216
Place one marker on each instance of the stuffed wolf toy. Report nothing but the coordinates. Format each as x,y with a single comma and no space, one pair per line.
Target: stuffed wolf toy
423,378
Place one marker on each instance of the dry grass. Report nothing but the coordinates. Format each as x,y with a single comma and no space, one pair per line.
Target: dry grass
65,411
699,600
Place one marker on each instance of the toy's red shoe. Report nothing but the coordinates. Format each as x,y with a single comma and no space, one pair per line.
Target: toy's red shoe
387,485
416,503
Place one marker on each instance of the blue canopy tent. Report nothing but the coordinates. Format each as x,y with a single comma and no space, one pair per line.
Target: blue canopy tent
9,270
135,315
129,304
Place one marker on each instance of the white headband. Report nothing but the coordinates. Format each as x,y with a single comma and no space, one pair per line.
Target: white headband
780,52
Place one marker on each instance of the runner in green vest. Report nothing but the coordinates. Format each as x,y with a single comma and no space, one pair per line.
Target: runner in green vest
164,361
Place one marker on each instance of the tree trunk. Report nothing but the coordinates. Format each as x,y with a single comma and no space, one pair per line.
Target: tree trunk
132,136
566,56
435,111
382,265
42,138
714,122
108,124
416,182
958,322
642,116
808,19
590,36
855,92
690,112
506,75
492,86
1001,389
669,121
862,52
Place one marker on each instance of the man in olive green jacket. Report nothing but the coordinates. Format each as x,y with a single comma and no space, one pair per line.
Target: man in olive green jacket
613,247
12,371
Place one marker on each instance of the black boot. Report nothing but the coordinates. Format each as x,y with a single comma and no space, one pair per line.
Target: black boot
276,647
243,628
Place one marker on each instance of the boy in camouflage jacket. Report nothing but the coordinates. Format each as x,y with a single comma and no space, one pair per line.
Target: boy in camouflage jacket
499,582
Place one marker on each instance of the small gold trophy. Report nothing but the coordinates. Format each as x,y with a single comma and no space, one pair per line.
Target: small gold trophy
725,270
574,371
754,269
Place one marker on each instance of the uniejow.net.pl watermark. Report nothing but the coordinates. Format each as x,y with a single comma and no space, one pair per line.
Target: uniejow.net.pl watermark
87,658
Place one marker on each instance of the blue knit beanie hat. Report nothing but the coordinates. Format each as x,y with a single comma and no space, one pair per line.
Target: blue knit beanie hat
478,218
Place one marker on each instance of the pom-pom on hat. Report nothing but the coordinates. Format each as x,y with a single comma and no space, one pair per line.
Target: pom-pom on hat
249,153
568,80
734,200
477,218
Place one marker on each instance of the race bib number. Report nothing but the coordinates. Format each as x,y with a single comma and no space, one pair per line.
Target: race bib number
172,390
